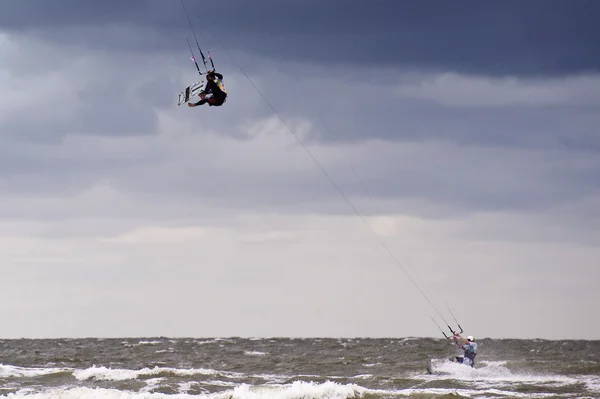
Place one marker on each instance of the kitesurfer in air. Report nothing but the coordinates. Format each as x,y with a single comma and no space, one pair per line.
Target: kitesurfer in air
214,92
469,346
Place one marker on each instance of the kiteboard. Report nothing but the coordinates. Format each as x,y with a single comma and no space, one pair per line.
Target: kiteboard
189,92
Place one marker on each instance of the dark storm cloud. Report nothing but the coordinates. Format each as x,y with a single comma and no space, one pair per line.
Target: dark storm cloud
532,114
507,127
488,38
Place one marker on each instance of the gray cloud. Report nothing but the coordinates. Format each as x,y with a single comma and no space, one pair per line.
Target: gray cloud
441,143
508,38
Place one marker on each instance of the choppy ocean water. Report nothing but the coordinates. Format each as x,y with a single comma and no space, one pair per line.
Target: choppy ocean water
230,368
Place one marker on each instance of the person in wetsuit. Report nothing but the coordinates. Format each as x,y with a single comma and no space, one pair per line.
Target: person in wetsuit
214,92
469,346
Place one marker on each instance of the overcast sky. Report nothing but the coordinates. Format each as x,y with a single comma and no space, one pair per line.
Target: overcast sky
464,134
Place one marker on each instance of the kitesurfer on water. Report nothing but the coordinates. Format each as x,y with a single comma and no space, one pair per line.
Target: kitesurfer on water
214,92
469,346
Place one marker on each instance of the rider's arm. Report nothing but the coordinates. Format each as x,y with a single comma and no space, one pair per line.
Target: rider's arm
464,340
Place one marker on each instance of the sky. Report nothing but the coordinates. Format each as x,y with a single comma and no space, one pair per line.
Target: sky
374,166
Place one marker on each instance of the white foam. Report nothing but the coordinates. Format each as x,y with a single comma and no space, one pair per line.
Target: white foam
493,374
184,387
107,374
298,389
332,390
219,383
94,393
212,341
592,383
16,371
488,379
372,364
362,376
275,378
152,384
327,390
255,353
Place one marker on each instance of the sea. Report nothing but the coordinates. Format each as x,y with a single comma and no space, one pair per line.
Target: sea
287,368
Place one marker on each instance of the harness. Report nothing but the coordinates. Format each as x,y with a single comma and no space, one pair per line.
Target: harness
220,85
470,352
